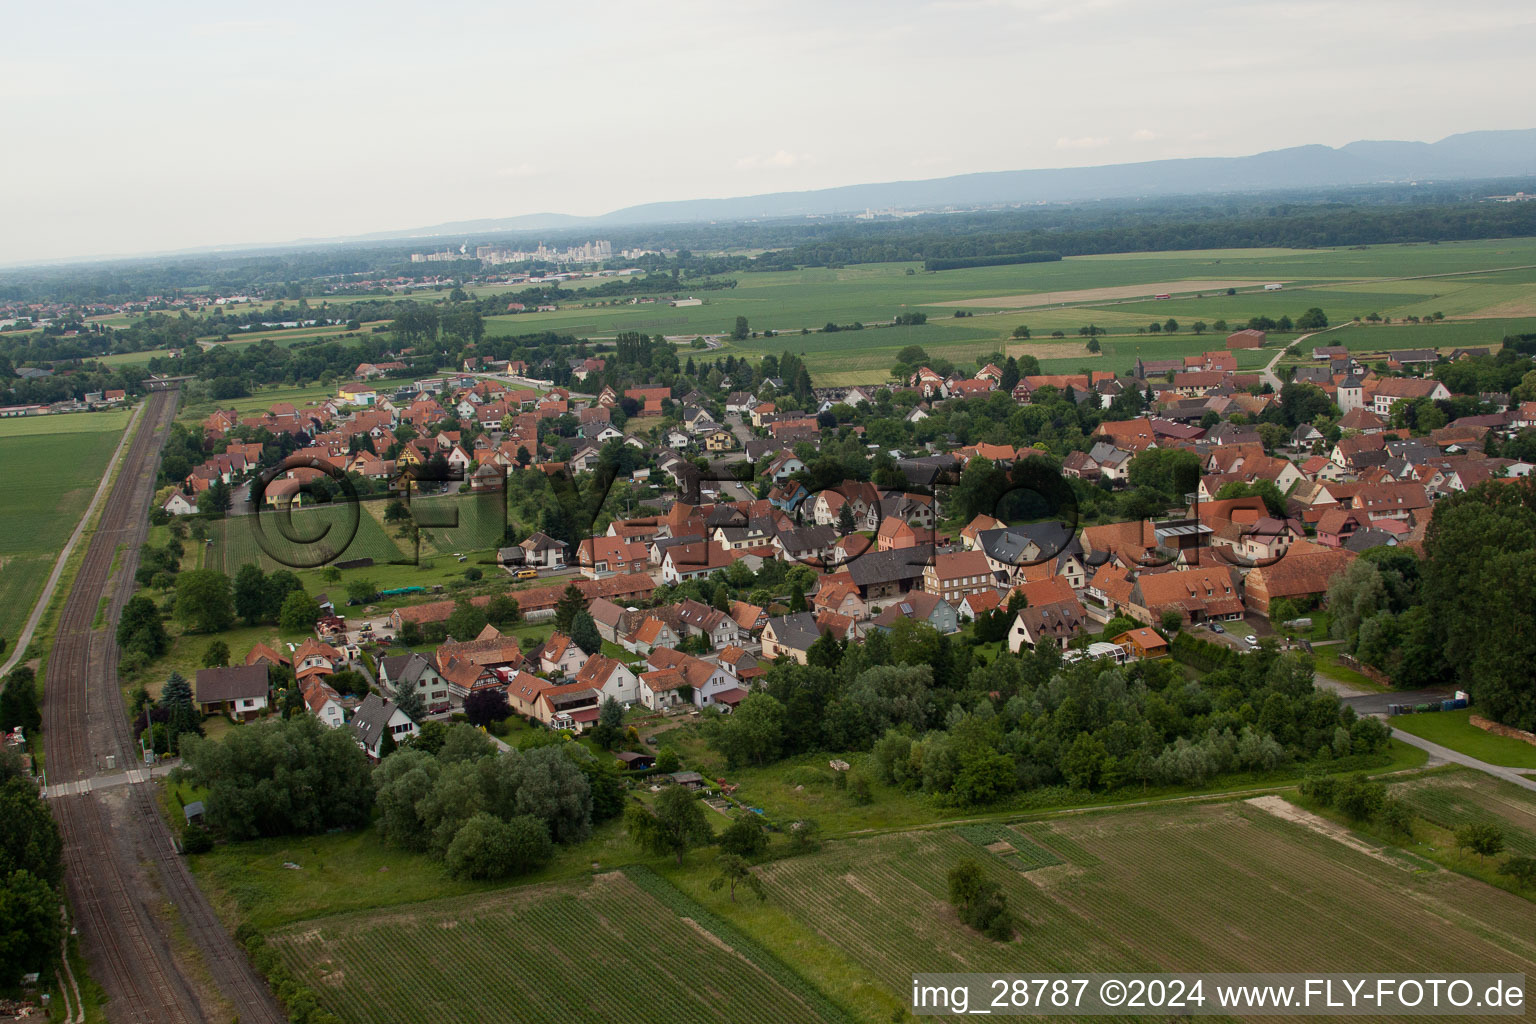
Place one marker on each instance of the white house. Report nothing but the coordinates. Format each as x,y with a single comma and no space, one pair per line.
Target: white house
179,504
376,718
611,678
560,656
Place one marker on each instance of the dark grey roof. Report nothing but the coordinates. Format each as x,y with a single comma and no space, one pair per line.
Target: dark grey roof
236,682
797,630
1028,543
808,538
1370,537
876,567
760,530
370,719
405,669
1106,454
663,543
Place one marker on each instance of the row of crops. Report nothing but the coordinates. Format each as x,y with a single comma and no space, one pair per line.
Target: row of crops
1212,888
1450,805
540,955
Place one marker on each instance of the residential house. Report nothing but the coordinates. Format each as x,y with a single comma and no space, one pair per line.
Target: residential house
651,634
239,691
1196,594
323,702
1302,575
559,656
919,606
953,575
376,718
1141,643
1395,389
400,672
606,556
790,636
610,678
694,561
543,552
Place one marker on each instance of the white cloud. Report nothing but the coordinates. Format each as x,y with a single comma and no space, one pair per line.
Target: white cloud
779,158
1086,142
1143,135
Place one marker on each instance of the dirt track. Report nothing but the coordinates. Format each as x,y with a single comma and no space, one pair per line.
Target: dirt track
1119,291
125,883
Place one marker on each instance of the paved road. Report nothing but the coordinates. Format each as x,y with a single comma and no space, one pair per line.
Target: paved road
1366,703
1437,752
1268,373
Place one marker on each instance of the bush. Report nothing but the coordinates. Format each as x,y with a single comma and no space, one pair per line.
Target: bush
980,902
196,839
744,836
1320,788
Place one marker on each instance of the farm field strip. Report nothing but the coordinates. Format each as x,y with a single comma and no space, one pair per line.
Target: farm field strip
1465,797
51,476
1219,887
548,953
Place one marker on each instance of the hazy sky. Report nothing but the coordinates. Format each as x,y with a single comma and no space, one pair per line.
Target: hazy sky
133,127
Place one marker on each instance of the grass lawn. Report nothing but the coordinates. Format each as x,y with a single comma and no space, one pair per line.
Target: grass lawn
806,787
1327,663
1453,729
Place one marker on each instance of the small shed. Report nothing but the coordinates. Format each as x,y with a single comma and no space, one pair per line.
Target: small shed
636,761
688,780
193,812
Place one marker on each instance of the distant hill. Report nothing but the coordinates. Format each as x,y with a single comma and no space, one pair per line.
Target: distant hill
1472,155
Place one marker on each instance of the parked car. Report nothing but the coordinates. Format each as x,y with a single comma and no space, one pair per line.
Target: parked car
526,574
1253,641
1216,628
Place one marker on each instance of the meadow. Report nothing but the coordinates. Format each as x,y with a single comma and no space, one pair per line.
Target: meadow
1454,730
309,538
604,949
52,465
1485,289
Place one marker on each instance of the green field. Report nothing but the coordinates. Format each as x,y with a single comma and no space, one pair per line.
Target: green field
1221,886
1458,797
311,537
1461,280
53,465
135,358
260,401
1215,887
600,950
1453,729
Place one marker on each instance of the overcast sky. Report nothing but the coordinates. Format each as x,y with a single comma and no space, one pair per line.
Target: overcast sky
134,127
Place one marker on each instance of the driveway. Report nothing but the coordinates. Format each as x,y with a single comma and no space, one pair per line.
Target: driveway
1439,753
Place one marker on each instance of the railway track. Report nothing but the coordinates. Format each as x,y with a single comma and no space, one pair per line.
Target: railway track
121,922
